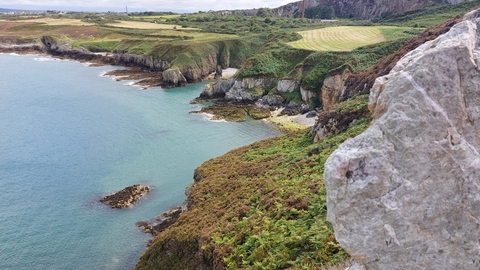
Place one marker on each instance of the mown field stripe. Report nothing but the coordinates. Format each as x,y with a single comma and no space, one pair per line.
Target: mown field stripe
342,38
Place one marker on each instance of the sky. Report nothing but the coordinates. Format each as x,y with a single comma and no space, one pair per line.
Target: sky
141,5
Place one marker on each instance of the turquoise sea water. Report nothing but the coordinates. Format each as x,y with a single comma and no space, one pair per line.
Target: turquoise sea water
69,136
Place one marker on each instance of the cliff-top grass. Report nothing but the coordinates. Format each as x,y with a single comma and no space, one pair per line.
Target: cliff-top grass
54,21
348,38
153,17
146,25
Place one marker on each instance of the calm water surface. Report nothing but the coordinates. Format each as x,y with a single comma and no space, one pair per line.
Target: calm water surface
69,136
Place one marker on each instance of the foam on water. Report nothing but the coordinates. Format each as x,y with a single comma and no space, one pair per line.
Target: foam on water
43,59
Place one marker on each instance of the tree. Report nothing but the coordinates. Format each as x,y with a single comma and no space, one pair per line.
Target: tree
328,12
264,12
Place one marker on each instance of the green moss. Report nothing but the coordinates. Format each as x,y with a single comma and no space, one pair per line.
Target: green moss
356,103
256,91
227,111
258,113
294,96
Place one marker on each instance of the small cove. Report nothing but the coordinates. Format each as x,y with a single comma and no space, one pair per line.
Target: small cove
70,136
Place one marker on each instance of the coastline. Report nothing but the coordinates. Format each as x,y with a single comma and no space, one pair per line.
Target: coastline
131,70
144,77
282,123
37,50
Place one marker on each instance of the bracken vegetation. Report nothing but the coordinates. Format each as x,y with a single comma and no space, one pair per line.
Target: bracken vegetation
258,207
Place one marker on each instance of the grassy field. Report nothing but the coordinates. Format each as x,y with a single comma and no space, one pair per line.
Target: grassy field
347,38
144,25
52,21
156,17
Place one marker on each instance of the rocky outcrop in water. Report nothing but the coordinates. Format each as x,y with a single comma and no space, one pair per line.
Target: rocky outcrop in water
405,193
216,89
173,77
162,222
125,197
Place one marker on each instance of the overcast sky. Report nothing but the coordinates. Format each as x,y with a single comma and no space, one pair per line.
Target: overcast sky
141,5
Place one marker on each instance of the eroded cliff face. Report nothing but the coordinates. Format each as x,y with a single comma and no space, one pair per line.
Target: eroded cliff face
185,64
405,193
333,87
363,9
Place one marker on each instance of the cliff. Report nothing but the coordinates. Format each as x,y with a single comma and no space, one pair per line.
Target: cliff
179,63
404,194
363,9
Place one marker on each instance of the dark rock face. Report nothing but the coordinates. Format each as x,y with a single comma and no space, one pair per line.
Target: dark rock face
149,62
125,197
271,100
216,90
22,49
362,9
294,109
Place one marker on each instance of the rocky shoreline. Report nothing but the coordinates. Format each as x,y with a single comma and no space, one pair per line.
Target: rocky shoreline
236,99
144,77
233,101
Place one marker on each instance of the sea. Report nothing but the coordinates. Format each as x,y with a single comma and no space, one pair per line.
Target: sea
69,136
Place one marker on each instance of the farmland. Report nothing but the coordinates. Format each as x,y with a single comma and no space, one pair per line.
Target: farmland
347,38
53,21
143,25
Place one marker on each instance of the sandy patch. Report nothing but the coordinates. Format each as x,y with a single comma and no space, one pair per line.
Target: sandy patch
291,122
228,73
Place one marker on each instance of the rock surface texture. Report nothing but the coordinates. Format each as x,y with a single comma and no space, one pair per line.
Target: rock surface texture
405,194
125,197
333,87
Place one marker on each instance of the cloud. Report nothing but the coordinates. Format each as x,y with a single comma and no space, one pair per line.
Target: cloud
143,5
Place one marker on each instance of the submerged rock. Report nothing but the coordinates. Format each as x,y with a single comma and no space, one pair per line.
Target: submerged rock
125,197
162,222
405,194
